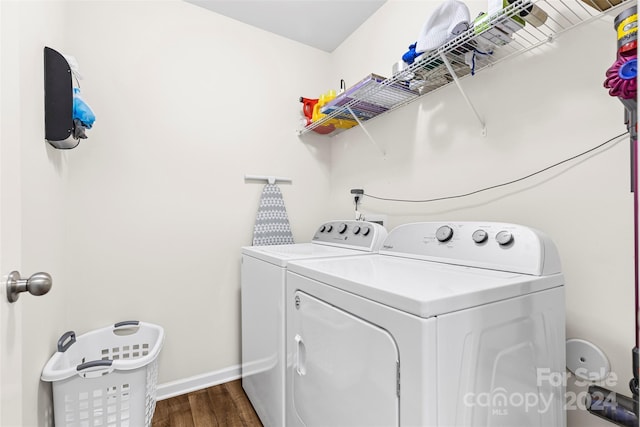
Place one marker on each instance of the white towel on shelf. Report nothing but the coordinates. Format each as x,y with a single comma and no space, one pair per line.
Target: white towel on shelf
449,20
272,223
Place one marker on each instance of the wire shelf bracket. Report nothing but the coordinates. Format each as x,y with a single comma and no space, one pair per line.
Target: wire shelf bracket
463,93
366,132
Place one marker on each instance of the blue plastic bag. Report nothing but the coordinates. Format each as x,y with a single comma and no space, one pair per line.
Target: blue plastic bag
81,110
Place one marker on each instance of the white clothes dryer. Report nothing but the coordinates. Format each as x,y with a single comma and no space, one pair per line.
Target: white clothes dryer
263,306
451,324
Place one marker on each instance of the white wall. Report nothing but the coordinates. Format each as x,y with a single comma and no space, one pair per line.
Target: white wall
145,219
540,108
187,102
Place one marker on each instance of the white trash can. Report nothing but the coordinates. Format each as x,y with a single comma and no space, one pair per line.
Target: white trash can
106,377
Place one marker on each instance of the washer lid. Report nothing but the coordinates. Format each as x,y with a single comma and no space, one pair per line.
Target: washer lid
422,288
282,254
331,239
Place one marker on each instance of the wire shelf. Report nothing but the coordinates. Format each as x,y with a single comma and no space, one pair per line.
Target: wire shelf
376,95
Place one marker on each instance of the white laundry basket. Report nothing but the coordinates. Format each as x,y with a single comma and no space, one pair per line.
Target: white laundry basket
106,377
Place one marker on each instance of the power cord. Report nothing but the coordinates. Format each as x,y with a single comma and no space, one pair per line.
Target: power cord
504,183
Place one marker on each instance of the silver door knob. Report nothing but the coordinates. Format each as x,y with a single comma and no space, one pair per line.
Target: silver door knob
38,284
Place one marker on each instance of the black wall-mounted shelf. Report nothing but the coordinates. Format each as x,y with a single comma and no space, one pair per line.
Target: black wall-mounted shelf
58,101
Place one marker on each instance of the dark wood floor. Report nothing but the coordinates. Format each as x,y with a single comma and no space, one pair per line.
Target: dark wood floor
224,405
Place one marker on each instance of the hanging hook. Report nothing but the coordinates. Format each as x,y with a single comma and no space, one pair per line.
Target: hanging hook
270,179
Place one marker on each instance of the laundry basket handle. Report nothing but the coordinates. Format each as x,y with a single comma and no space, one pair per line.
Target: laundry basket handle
71,336
126,323
95,368
94,364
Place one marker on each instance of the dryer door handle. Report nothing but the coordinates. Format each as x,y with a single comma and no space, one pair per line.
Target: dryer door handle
301,356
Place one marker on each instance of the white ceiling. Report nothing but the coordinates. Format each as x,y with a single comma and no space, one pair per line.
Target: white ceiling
323,24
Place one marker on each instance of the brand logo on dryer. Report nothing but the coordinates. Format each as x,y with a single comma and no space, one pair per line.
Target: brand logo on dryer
387,246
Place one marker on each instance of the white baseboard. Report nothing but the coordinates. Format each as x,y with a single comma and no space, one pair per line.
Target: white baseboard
198,382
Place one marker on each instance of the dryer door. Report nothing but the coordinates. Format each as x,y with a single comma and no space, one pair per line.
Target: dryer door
346,370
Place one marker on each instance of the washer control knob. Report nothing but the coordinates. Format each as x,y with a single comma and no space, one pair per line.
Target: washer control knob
342,228
504,238
329,228
480,236
356,229
366,231
444,233
323,228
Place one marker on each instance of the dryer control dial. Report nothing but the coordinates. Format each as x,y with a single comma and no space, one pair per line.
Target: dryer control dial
329,228
504,238
444,233
356,229
366,231
508,247
342,228
480,236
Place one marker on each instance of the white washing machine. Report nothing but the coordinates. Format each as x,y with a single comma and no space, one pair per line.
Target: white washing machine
451,324
263,306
